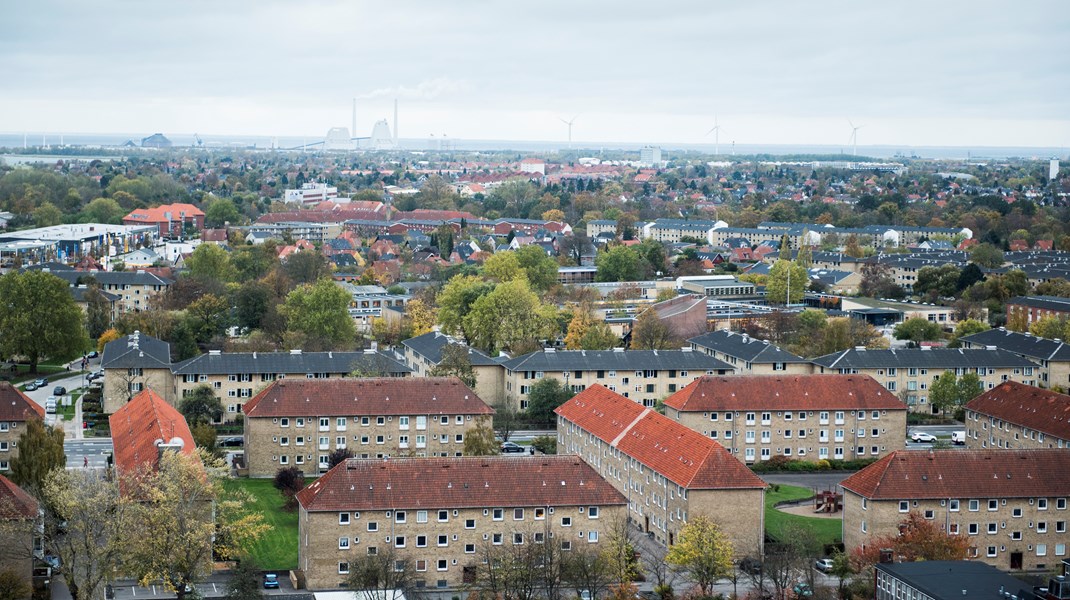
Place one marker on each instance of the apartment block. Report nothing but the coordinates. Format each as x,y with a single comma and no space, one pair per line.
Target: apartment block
667,472
1035,308
424,352
1010,504
20,521
235,377
134,363
448,515
15,410
1019,417
804,417
1052,357
749,355
136,289
910,372
644,376
296,422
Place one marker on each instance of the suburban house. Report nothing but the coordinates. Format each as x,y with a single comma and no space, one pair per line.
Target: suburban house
644,376
424,352
235,377
1020,417
449,515
1010,504
132,364
20,516
144,428
804,417
15,410
909,372
750,355
667,471
299,422
1052,357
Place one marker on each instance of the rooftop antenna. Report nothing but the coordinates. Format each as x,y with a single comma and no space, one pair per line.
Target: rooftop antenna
853,140
716,131
569,123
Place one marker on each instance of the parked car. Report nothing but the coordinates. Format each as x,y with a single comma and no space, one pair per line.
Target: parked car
59,391
510,447
31,386
823,564
271,581
231,442
922,437
958,438
750,565
802,590
40,382
92,354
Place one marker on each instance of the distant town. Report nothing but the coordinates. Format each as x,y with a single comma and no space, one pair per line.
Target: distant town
355,370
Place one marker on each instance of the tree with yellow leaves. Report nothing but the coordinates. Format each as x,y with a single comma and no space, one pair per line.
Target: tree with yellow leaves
703,552
422,316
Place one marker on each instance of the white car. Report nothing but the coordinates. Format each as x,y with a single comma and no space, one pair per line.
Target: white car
922,437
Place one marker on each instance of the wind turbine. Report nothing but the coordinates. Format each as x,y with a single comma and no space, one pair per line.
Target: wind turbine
569,123
716,131
853,140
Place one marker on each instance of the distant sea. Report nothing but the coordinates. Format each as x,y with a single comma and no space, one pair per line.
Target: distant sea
13,142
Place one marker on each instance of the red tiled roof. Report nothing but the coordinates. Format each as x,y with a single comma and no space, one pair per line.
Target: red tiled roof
16,406
784,392
138,427
1037,409
461,482
366,396
158,214
14,502
907,474
678,453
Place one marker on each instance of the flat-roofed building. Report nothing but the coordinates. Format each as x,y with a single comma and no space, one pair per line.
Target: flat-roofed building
804,417
910,372
298,423
644,376
1010,504
447,516
1017,416
668,472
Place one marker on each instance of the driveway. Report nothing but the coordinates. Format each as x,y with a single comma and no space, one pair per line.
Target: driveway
824,480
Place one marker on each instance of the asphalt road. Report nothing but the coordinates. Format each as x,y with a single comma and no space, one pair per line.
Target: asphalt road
92,451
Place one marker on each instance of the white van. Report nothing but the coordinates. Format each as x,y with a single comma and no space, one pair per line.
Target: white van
958,438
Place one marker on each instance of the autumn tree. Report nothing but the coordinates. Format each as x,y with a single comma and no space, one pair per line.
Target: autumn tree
13,586
455,362
703,552
39,318
878,282
918,329
455,302
510,318
586,569
968,327
385,575
586,332
1051,327
210,261
40,452
619,263
319,313
421,315
479,440
109,335
651,333
289,481
782,274
916,539
201,406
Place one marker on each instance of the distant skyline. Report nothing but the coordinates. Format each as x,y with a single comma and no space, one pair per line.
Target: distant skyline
911,73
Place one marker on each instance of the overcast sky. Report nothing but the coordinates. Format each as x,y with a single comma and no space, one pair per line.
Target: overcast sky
912,73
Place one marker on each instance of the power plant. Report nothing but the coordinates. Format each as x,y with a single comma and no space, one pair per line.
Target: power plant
343,139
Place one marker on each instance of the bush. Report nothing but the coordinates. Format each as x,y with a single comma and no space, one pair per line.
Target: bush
545,444
783,463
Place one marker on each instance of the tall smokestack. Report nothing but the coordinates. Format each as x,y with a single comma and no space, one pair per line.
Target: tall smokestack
395,122
353,132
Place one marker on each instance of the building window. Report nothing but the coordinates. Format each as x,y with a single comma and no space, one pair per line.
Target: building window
592,536
343,518
1042,504
975,505
518,514
498,514
904,506
343,568
343,543
421,541
566,521
993,505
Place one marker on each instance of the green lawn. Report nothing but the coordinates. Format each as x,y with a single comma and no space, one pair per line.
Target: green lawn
827,530
277,550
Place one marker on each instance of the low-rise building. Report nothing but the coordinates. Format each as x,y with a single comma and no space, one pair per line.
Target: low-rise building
15,410
750,355
805,417
448,515
910,372
947,580
235,377
1010,504
644,376
1017,416
296,422
1051,356
668,472
172,220
20,518
424,352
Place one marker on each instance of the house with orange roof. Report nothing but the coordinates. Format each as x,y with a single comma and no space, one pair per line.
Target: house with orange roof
19,520
298,246
1018,416
143,429
668,472
171,219
15,410
1011,505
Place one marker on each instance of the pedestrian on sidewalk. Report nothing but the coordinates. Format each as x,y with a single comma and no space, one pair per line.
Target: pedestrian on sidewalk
85,462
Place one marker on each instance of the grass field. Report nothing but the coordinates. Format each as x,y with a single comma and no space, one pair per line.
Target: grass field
827,530
277,550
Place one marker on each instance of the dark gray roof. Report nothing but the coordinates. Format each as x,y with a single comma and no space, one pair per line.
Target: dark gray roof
136,350
430,345
935,358
114,277
1025,344
616,360
1045,302
288,362
744,347
955,579
78,293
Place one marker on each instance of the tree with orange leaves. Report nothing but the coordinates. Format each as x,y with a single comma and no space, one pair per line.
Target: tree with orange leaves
918,538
